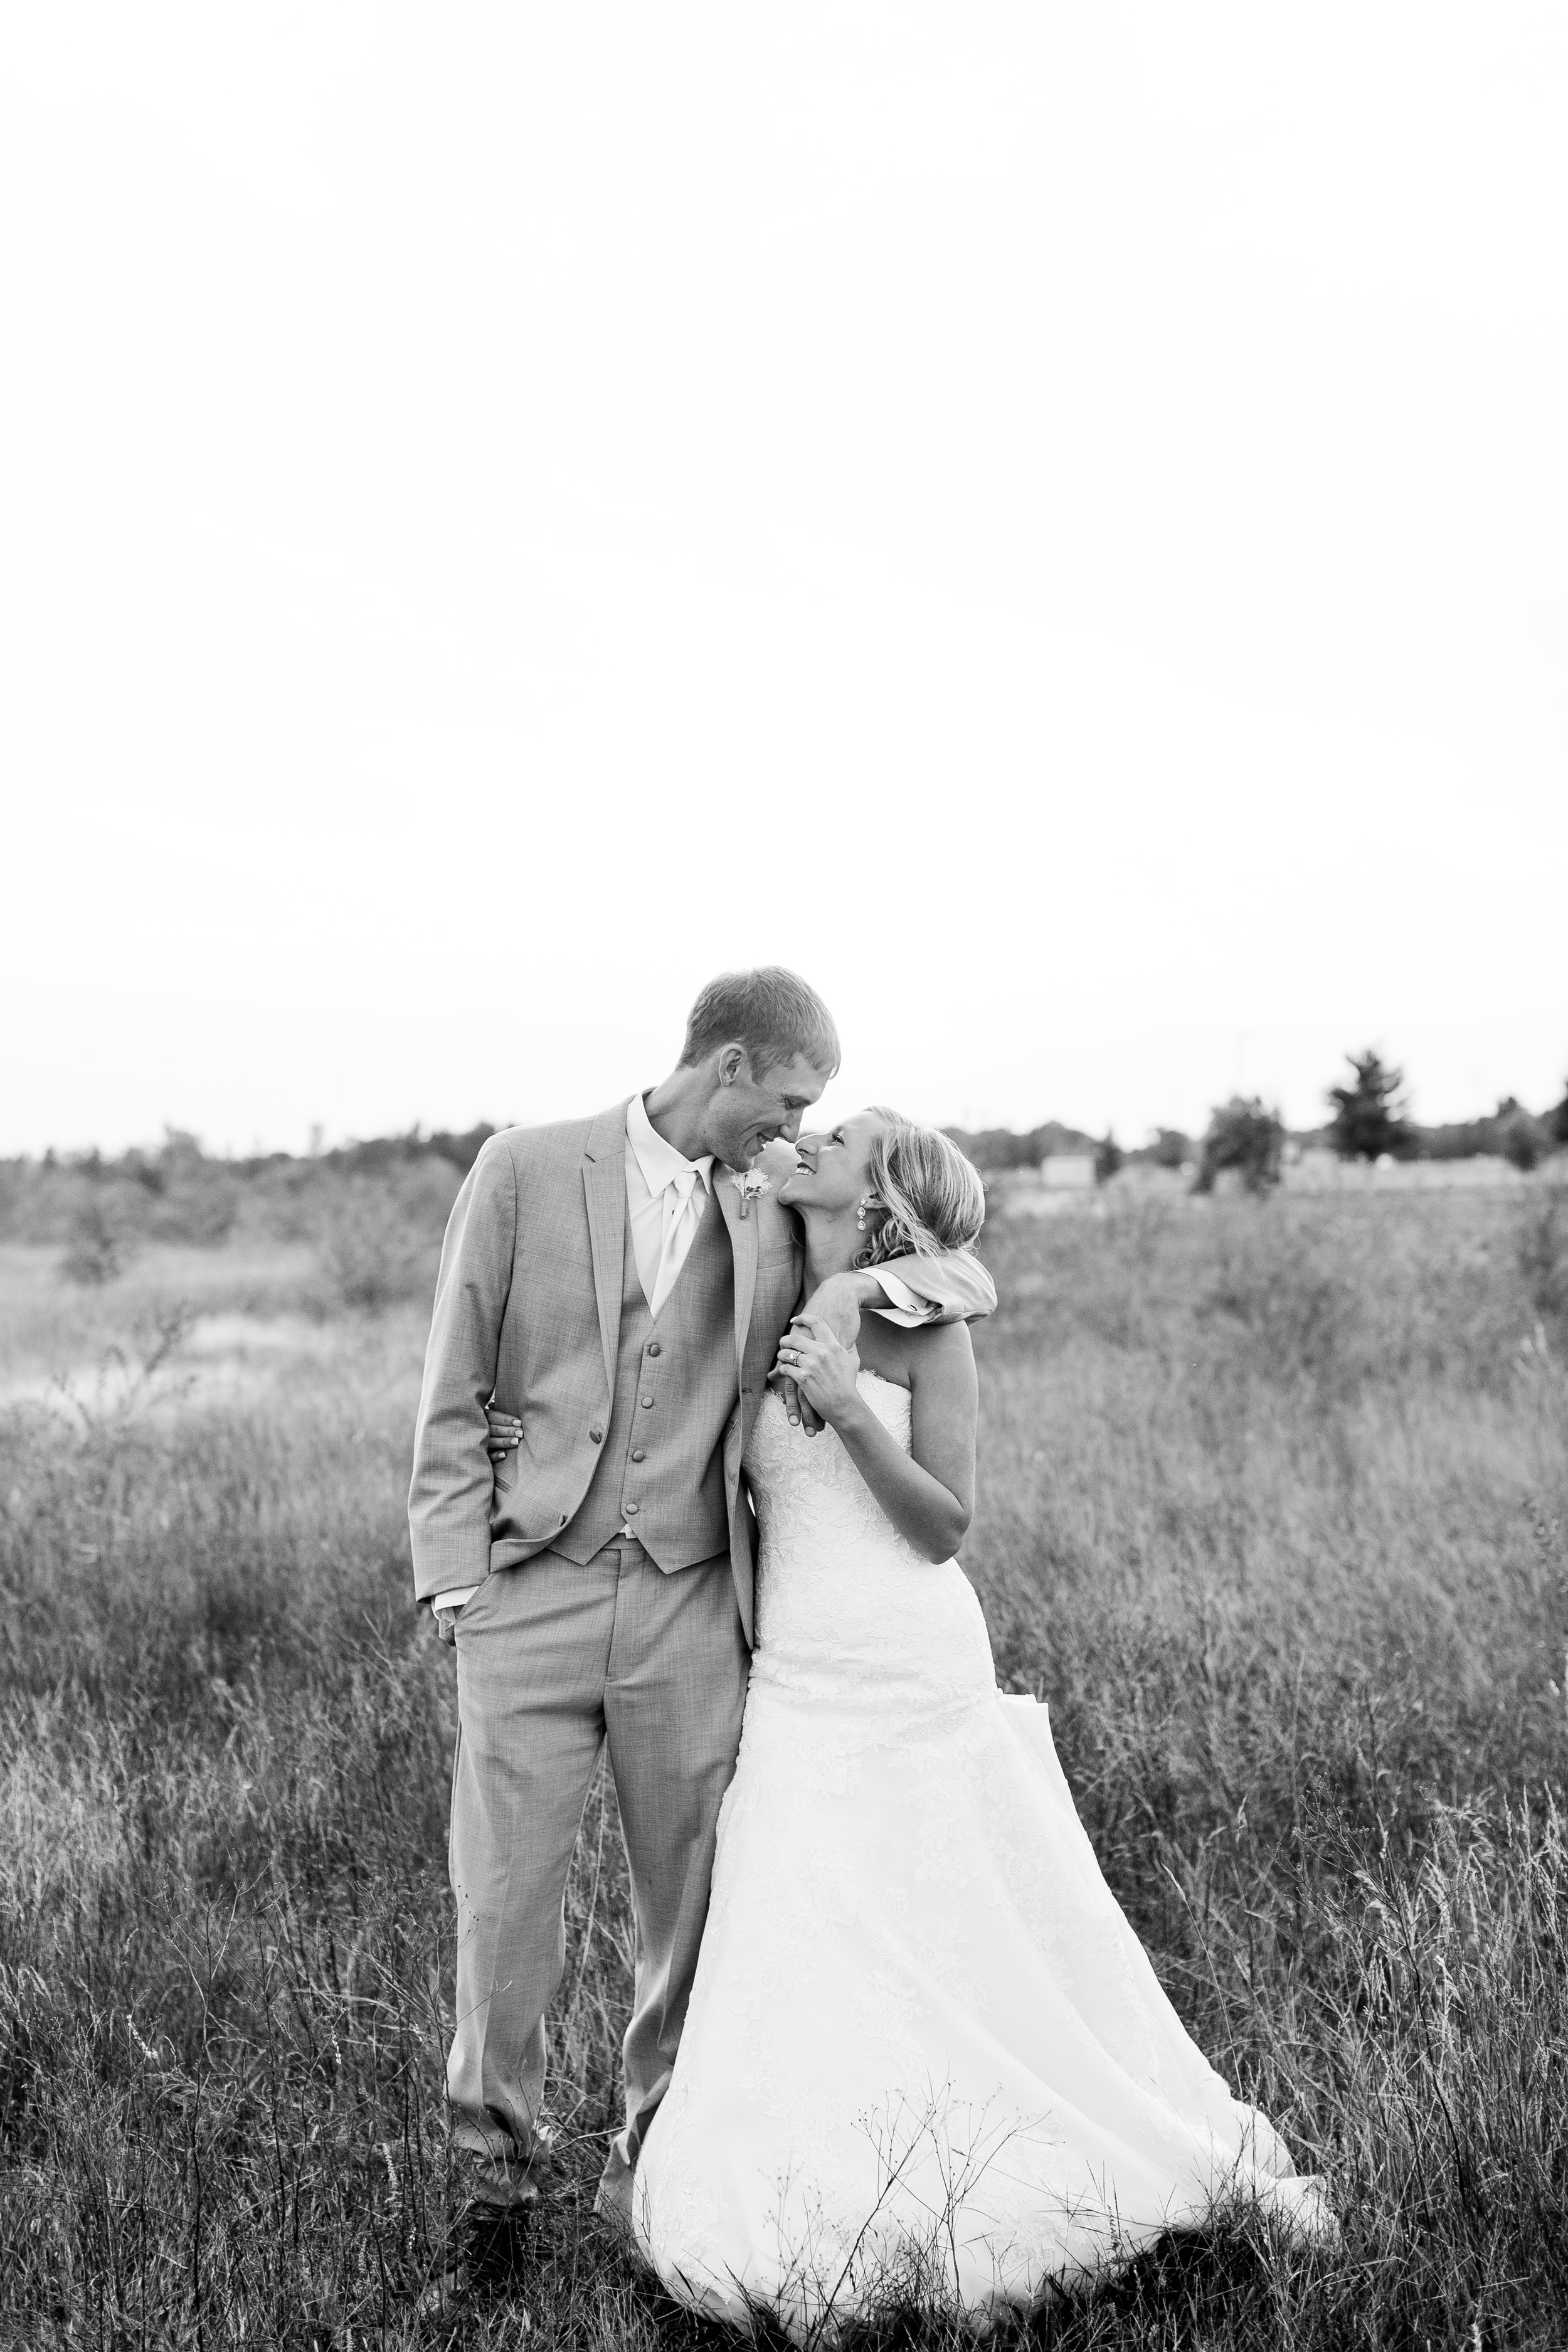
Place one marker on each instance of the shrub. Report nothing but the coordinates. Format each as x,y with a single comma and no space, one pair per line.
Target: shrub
1525,1140
100,1244
379,1237
1244,1136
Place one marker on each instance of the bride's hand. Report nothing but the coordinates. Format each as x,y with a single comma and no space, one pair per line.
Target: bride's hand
505,1432
812,1355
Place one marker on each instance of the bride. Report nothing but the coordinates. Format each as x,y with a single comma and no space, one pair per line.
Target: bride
926,2056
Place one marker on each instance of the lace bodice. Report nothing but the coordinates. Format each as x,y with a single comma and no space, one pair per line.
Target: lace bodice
846,1607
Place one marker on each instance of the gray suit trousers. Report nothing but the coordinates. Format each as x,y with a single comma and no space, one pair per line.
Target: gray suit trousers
554,1660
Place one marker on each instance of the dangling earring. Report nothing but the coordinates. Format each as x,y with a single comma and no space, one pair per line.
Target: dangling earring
860,1208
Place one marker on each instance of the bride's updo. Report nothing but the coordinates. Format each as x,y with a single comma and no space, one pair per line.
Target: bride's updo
928,1197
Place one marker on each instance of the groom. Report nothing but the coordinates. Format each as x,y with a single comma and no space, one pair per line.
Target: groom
607,1282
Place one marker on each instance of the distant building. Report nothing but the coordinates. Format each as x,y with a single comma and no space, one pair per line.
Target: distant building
1068,1172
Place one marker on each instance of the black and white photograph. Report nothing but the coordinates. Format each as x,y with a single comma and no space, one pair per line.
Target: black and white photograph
783,1178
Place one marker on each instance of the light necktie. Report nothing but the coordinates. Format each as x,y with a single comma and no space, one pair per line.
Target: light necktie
680,1225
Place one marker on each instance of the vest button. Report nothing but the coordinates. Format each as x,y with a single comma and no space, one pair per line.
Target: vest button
631,1507
637,1453
653,1347
648,1402
596,1437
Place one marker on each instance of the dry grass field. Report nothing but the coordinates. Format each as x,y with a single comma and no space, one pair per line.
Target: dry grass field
1274,1513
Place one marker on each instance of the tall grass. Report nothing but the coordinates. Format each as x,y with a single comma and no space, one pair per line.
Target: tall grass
1273,1514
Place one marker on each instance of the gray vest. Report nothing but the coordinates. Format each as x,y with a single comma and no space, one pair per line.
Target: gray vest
661,1461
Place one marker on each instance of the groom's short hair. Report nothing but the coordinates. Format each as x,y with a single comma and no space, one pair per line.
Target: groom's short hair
772,1012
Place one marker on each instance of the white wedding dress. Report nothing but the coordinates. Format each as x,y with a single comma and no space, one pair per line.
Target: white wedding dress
925,2053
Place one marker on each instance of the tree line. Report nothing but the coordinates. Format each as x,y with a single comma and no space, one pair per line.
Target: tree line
189,1195
1370,1121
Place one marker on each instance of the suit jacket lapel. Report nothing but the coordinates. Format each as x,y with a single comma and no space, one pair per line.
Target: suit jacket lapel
604,1187
743,1242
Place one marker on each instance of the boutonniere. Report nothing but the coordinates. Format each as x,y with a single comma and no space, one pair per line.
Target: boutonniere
750,1185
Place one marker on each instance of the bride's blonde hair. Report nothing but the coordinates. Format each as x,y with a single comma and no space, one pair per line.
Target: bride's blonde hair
929,1196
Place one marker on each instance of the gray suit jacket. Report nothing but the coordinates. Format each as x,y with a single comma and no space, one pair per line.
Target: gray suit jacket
527,1310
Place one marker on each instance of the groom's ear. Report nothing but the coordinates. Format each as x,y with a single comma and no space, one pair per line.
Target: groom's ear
730,1062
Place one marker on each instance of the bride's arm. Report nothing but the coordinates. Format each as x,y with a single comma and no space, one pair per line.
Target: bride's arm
929,1496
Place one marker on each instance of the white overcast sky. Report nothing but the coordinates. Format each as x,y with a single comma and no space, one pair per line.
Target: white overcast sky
1053,521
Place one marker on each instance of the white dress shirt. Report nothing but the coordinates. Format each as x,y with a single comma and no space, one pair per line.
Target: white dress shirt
666,1196
907,1307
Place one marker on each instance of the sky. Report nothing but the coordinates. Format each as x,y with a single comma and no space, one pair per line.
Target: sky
1052,521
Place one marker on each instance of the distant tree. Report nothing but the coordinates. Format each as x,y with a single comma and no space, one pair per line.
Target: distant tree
1369,1117
1172,1148
993,1148
1558,1121
1466,1138
1246,1136
463,1149
1107,1158
1525,1140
